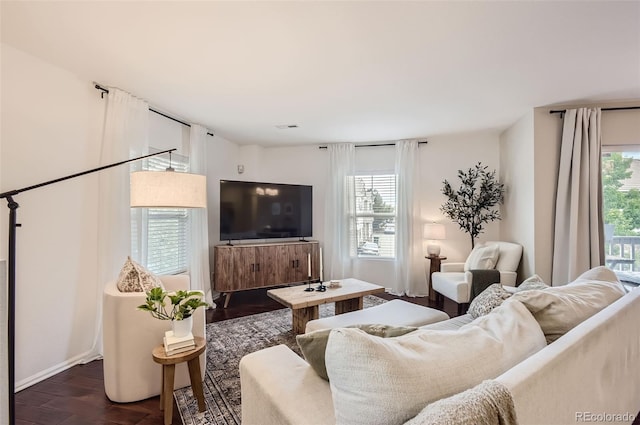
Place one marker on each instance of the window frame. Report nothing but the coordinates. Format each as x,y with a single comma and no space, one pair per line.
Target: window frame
148,247
356,243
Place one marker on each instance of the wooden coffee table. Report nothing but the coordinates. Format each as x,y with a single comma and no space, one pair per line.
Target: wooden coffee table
304,305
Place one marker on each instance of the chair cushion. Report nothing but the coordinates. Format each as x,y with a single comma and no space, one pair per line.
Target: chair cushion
390,380
135,278
482,257
510,255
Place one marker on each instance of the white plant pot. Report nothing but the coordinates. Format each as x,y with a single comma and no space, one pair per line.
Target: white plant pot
182,327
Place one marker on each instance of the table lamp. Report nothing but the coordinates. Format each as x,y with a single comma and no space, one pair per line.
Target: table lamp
433,232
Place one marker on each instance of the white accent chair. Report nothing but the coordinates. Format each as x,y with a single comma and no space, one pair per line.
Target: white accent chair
129,336
454,280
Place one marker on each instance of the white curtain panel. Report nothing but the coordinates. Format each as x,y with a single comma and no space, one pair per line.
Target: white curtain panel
410,278
339,211
199,223
125,136
578,238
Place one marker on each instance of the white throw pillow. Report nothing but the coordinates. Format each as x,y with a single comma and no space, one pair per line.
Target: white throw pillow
482,258
559,309
390,380
597,273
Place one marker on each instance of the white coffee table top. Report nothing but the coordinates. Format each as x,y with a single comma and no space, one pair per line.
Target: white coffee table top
295,297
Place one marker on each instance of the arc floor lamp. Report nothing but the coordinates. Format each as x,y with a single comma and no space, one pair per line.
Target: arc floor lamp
166,189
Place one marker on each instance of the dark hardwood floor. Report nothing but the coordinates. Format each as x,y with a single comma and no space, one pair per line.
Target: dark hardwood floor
76,396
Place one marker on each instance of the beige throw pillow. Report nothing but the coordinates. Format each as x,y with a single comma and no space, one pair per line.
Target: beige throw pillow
482,258
533,282
390,380
559,309
314,344
135,278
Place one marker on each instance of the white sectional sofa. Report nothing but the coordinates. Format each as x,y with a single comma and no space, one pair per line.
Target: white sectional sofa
590,374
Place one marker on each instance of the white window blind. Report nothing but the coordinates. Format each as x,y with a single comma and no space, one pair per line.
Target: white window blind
163,244
374,233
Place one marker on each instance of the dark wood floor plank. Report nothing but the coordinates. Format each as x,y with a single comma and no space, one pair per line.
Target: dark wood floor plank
76,396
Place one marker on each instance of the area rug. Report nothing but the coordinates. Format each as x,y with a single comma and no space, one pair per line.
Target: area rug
227,342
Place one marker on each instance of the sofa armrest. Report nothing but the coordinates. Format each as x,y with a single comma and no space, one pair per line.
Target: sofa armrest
546,387
508,278
451,267
279,387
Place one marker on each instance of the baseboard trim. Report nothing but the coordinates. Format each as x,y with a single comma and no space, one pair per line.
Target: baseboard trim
54,370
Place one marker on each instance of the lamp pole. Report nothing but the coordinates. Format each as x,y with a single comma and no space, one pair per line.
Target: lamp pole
11,282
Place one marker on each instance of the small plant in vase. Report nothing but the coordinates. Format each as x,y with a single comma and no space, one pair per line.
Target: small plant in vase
183,305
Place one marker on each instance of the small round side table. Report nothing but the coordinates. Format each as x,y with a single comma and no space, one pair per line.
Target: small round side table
168,374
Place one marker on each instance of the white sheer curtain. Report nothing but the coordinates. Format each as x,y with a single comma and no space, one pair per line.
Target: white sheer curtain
578,239
339,211
410,278
125,136
199,224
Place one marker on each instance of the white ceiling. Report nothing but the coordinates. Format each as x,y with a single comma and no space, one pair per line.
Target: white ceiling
342,71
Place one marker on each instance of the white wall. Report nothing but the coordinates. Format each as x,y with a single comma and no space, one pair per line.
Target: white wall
51,127
621,127
440,159
517,174
618,127
223,157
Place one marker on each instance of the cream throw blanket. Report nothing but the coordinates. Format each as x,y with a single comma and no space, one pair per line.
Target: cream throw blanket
488,403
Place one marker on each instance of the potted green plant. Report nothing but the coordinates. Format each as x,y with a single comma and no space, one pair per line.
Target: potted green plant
183,305
473,203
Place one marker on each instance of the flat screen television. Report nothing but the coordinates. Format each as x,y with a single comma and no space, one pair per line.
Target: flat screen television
256,210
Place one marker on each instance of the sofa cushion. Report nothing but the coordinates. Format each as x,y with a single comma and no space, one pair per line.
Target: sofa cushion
597,273
533,282
135,278
561,308
314,344
482,258
487,300
388,381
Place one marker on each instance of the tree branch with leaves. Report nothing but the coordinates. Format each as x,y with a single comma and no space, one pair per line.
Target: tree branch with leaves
474,203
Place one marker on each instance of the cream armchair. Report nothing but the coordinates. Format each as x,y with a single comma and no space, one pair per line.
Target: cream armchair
454,280
129,336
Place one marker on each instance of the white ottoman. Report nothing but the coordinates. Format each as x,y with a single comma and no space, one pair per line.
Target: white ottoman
395,313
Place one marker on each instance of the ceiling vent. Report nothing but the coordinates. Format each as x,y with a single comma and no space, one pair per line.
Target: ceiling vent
285,126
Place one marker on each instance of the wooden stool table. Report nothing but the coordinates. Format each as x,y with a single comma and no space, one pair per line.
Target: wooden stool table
168,374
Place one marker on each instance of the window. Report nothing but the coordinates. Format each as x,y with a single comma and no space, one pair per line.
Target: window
375,221
621,210
161,242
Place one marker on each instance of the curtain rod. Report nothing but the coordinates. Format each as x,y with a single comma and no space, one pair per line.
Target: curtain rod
619,108
104,90
376,145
